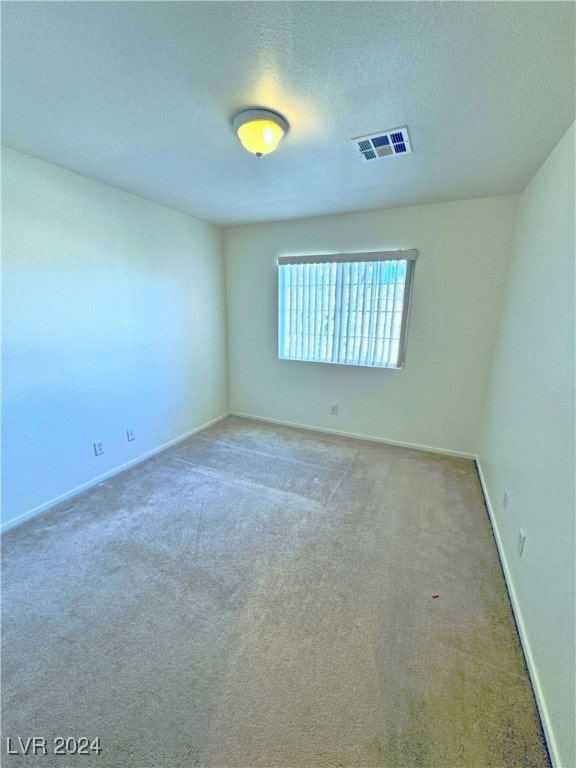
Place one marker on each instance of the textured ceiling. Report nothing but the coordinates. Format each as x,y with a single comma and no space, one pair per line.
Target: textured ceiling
141,95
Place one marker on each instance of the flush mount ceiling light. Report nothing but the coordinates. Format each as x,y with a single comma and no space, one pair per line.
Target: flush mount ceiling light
260,130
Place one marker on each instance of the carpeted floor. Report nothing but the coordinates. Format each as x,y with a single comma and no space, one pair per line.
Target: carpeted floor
271,597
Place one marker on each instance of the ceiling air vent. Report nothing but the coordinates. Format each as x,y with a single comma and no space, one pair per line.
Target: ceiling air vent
384,144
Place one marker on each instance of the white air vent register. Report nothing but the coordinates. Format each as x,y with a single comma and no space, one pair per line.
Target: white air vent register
384,144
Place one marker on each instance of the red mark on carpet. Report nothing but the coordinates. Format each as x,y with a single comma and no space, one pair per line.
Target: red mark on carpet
435,596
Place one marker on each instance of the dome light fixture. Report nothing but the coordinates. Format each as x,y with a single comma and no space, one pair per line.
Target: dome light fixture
260,130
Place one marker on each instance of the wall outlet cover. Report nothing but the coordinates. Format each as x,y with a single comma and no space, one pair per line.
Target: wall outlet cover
521,542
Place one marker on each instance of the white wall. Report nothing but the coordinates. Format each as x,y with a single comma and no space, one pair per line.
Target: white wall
113,318
528,447
436,400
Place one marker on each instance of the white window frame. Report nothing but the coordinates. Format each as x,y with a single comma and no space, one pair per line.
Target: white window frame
341,314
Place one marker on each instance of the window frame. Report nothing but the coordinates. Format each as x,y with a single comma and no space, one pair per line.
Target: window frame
408,256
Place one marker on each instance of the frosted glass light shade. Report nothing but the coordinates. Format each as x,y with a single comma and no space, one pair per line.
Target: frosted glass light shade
260,130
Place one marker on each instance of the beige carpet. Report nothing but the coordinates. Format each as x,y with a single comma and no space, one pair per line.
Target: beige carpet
265,596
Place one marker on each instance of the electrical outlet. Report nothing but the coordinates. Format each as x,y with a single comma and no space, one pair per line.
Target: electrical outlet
506,499
130,435
520,543
334,410
98,448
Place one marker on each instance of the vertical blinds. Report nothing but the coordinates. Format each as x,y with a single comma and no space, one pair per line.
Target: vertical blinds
350,309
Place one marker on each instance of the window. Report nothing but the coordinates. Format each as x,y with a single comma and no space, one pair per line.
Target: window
350,309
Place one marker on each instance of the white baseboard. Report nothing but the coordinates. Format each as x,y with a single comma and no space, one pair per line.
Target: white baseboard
102,478
524,639
370,438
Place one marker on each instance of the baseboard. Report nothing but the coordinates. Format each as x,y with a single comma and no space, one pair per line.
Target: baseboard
371,438
102,478
524,639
